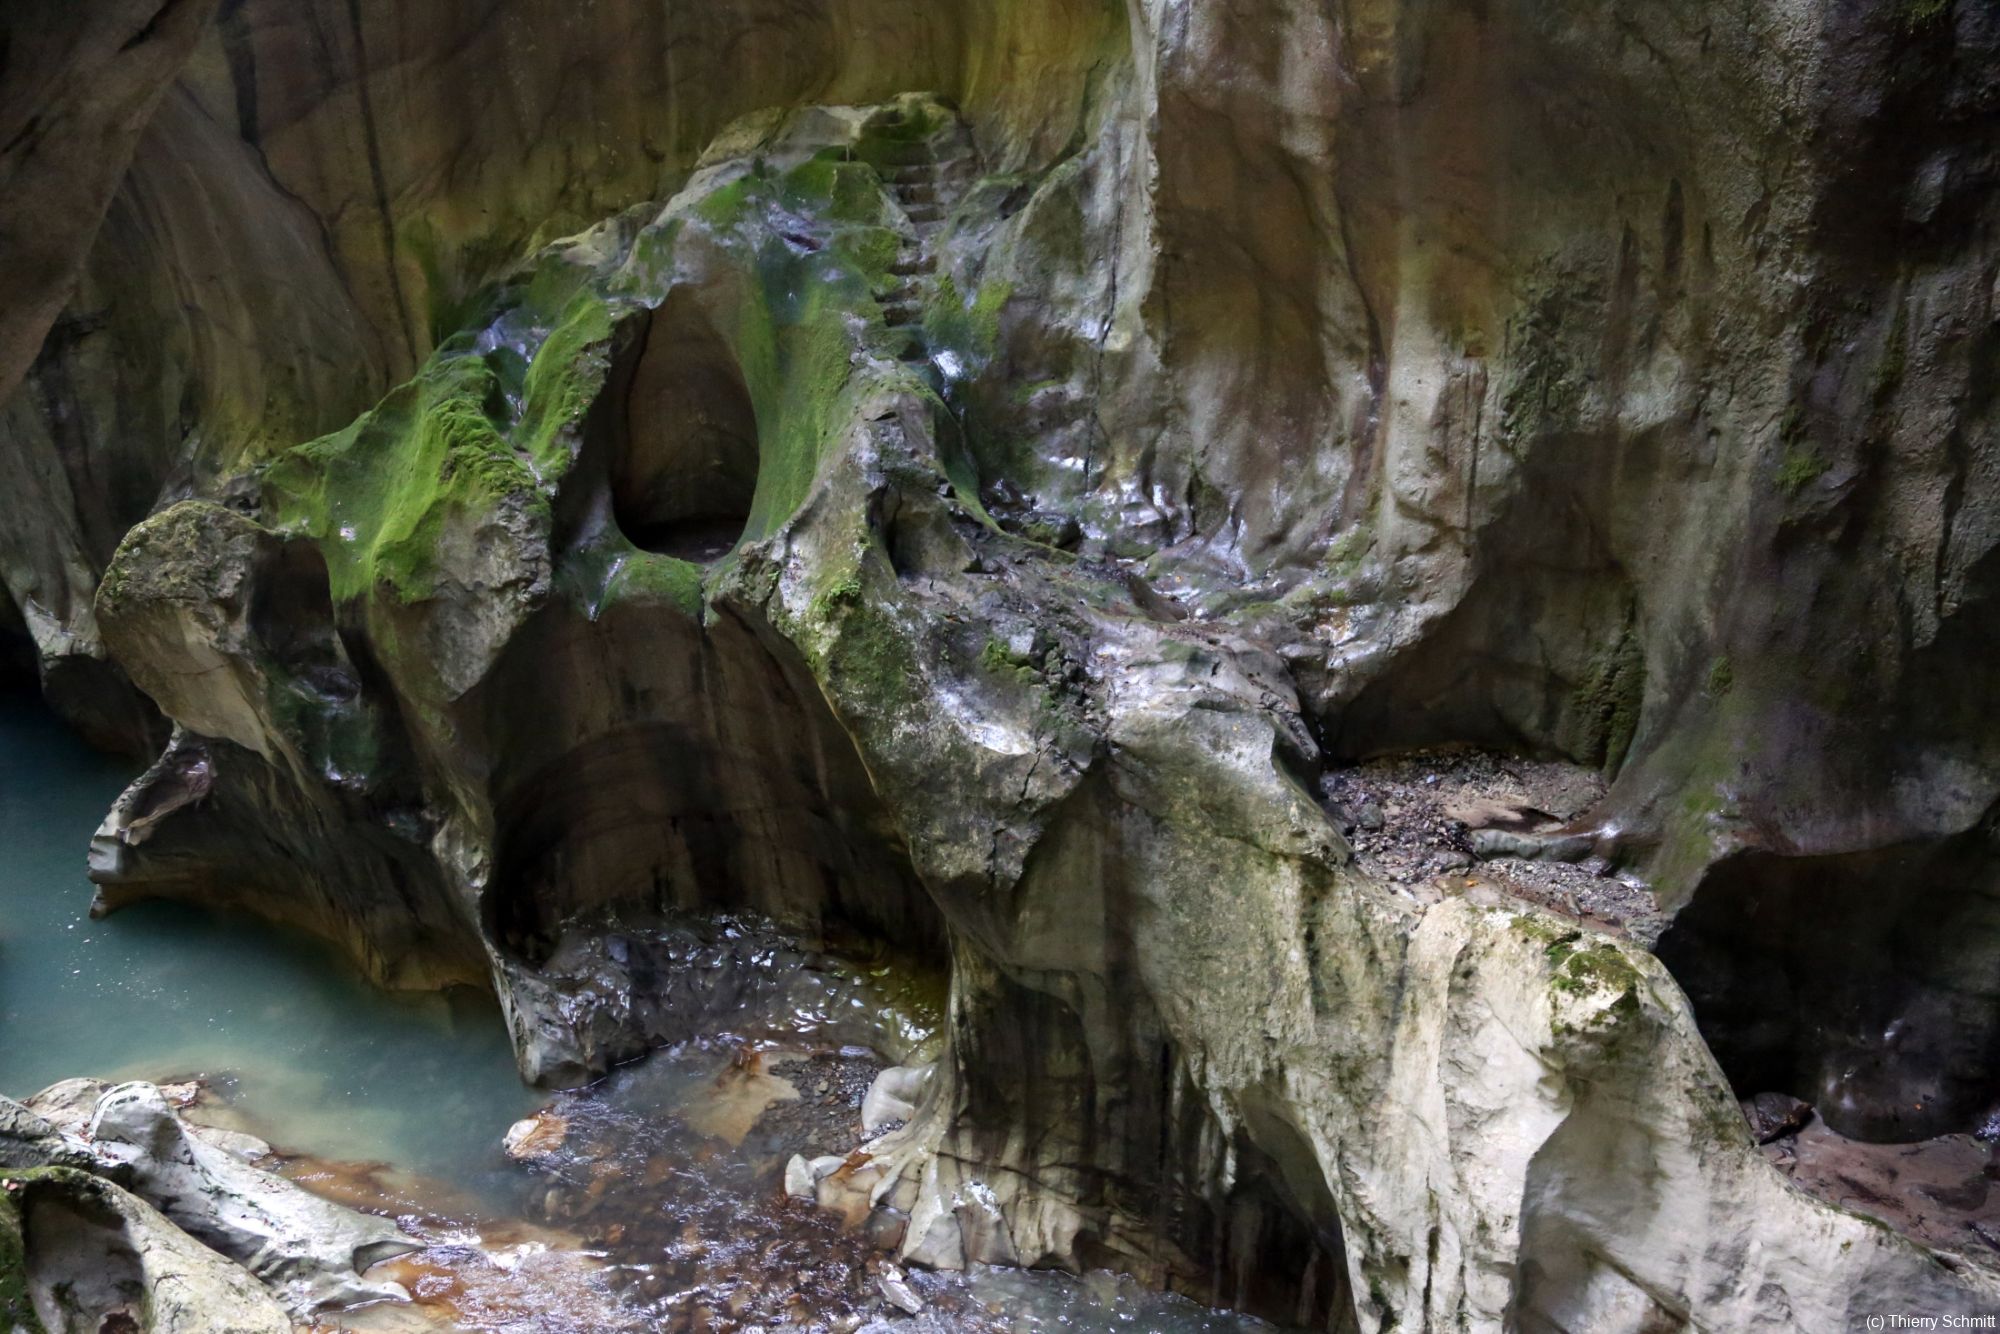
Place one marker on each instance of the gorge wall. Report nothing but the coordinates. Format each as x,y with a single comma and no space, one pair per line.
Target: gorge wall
957,478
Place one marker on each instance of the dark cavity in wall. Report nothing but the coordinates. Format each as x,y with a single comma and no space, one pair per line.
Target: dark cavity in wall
291,614
1867,984
17,647
684,450
670,766
1072,1081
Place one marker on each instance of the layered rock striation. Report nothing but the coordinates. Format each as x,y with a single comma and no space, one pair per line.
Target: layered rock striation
974,522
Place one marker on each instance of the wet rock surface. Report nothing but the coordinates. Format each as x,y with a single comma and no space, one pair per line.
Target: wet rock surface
1941,1191
105,1158
1176,391
1188,1033
659,1205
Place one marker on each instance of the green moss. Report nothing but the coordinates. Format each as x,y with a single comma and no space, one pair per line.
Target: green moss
792,329
646,577
728,205
1608,700
871,667
1721,677
1917,13
848,192
972,329
563,379
1600,973
1346,554
999,660
379,495
1601,968
17,1311
842,592
1800,467
1547,932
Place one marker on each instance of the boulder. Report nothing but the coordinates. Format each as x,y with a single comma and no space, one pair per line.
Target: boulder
309,1251
95,1257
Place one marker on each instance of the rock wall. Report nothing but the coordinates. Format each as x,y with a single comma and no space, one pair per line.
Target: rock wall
975,522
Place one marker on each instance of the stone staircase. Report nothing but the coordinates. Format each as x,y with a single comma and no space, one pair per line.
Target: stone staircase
926,178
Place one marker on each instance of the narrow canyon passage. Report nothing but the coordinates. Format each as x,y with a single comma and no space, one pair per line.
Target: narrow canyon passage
870,668
400,1104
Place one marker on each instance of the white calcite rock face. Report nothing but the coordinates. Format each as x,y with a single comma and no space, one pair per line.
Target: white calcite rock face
311,1252
893,1096
99,1257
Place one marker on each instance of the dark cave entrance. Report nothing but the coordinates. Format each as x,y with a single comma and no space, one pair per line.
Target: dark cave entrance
670,767
292,615
684,452
1862,983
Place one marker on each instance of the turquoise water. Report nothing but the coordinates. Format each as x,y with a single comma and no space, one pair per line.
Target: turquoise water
311,1056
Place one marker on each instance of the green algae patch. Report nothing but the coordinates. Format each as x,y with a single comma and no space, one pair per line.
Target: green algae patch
444,448
805,303
17,1311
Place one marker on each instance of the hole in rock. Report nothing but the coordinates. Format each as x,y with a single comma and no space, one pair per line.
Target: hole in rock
666,766
1861,983
291,615
684,447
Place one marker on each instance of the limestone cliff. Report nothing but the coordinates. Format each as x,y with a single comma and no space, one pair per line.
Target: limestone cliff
959,477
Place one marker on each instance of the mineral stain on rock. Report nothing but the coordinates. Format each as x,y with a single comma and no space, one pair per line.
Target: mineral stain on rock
1328,664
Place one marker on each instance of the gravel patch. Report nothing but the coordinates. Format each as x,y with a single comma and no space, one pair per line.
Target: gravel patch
1424,816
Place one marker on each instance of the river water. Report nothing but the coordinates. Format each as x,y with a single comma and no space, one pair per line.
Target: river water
661,1212
316,1058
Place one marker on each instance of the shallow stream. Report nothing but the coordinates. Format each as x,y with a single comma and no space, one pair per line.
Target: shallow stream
662,1209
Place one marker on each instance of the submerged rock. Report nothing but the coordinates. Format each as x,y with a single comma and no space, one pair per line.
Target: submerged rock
537,1136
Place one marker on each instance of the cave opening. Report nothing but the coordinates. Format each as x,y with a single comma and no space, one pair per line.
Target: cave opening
1860,983
684,455
292,615
674,768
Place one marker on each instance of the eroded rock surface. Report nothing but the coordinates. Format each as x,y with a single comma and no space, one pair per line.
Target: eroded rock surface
122,1210
988,522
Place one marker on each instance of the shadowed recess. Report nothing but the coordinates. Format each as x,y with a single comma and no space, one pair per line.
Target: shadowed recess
684,461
